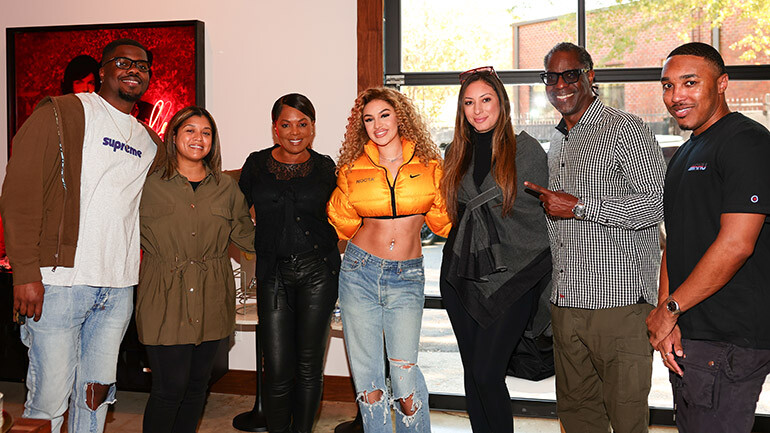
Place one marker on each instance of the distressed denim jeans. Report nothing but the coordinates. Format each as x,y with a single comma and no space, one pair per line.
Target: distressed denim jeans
75,344
382,303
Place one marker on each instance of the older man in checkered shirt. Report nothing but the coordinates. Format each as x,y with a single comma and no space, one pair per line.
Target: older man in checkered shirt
604,202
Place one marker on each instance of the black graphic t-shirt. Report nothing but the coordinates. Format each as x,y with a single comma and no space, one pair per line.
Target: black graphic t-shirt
722,170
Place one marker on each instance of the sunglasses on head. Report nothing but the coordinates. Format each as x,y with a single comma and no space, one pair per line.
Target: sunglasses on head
488,70
571,76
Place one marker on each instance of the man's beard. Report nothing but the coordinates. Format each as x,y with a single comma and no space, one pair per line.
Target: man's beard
129,97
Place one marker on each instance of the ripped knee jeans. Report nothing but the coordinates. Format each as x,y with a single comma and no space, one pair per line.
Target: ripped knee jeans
382,303
73,354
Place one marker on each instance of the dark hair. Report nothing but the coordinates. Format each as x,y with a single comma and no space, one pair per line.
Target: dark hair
109,50
296,101
585,59
213,160
79,68
458,156
705,51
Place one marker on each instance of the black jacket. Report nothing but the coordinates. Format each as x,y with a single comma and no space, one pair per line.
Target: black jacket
303,197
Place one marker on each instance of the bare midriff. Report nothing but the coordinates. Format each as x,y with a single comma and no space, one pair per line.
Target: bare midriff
391,239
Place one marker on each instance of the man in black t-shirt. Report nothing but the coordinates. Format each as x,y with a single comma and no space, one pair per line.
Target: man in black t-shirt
712,322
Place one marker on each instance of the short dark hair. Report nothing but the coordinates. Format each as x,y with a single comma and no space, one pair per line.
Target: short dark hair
77,69
585,59
294,100
109,50
705,51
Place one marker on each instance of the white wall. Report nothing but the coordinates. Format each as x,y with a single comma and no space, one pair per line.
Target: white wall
256,51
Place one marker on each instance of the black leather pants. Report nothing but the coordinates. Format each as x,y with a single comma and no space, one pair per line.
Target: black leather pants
293,331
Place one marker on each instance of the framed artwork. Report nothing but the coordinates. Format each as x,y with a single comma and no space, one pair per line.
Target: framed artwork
50,61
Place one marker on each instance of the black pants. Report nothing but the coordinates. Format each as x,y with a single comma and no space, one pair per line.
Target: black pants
485,353
180,377
294,319
720,387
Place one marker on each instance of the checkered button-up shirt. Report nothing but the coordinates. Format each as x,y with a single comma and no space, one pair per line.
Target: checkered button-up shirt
612,162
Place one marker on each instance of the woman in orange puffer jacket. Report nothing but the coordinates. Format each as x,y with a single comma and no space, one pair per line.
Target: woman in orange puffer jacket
387,186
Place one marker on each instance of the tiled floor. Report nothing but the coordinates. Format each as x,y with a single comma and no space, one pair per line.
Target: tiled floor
126,415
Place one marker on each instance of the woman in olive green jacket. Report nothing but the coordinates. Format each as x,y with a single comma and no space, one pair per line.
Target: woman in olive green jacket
185,305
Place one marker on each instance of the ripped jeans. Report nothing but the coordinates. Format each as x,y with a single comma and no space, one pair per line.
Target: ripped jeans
384,298
73,354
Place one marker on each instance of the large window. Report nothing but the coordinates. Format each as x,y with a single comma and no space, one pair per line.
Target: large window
427,43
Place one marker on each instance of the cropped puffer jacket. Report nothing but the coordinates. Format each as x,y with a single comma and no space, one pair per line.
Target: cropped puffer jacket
364,190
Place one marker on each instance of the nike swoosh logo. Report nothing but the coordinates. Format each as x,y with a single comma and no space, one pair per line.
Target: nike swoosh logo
414,175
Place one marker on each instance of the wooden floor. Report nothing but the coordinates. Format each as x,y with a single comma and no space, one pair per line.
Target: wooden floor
125,416
240,382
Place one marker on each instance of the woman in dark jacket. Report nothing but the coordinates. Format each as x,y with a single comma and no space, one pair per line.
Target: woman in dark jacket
297,262
496,259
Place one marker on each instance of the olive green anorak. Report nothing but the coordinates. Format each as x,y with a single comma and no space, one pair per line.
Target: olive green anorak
186,292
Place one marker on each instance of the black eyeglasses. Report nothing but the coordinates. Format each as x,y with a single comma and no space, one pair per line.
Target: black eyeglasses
482,70
571,76
126,63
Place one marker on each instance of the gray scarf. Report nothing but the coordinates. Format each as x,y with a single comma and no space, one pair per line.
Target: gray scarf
489,250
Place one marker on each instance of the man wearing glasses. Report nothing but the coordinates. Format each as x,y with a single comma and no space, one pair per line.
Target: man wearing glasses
70,206
604,202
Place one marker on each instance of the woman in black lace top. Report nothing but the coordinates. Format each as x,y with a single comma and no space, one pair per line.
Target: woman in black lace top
297,262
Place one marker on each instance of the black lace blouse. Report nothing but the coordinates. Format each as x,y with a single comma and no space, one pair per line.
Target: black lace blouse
290,207
283,171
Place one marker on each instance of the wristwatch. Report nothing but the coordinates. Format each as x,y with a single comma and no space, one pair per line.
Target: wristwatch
579,210
672,306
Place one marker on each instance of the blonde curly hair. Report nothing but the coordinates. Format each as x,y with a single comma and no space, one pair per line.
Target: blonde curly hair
410,127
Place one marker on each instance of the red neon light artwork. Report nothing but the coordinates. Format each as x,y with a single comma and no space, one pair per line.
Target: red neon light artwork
41,56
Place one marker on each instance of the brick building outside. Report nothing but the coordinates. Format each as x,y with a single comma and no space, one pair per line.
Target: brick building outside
533,39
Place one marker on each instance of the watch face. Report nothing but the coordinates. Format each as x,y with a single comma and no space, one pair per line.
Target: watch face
671,306
579,211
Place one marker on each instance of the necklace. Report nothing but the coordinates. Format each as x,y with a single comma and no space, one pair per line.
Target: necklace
131,127
393,159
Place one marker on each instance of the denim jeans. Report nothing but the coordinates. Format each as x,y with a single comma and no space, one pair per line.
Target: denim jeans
75,344
384,298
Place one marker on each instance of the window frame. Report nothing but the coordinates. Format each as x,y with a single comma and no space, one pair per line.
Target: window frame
395,77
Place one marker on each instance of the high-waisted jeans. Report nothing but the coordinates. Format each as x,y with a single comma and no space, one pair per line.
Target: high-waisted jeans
295,304
379,298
